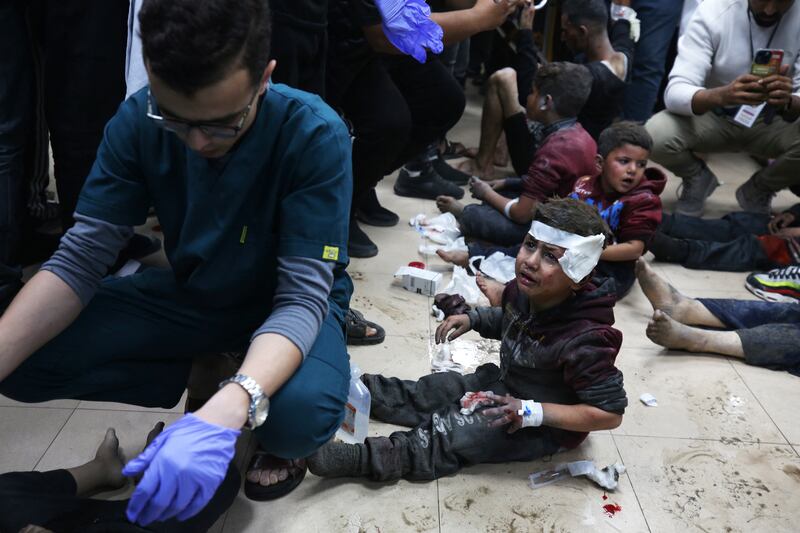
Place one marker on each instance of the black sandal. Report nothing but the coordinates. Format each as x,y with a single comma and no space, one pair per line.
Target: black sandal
357,330
264,461
454,150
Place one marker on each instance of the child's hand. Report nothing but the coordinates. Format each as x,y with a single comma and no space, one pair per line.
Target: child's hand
479,188
788,233
459,323
498,185
506,412
779,222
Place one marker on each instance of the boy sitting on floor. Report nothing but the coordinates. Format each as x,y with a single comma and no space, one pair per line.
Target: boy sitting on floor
556,381
625,192
567,152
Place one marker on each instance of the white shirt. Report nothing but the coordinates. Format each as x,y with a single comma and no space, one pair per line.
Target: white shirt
715,50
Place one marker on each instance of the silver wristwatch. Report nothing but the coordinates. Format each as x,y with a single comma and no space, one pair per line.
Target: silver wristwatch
259,402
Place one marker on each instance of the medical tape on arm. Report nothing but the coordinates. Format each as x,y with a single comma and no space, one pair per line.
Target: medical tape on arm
532,414
581,255
508,206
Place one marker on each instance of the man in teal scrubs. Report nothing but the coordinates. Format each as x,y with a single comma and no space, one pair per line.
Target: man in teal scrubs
252,185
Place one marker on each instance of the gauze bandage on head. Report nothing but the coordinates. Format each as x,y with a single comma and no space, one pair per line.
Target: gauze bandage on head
582,253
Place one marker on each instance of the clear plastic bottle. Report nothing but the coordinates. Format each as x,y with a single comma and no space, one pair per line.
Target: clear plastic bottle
355,426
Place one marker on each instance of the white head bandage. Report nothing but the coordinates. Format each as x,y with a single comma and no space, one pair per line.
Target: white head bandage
582,253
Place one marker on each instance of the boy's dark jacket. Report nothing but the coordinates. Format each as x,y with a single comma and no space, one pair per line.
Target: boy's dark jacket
563,355
634,215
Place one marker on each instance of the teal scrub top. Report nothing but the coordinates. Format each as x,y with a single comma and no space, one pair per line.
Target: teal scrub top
285,190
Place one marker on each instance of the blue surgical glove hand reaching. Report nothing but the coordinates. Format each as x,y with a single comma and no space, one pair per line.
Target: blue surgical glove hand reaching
182,467
408,26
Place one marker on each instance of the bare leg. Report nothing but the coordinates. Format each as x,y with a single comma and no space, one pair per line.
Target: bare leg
501,101
665,297
448,204
669,333
493,290
456,257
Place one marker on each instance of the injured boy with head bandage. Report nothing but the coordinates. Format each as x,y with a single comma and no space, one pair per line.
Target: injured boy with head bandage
556,381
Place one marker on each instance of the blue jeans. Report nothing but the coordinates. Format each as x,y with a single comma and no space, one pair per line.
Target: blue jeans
135,341
660,20
769,331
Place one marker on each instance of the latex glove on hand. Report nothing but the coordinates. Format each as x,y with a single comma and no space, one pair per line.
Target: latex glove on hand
408,26
625,12
183,467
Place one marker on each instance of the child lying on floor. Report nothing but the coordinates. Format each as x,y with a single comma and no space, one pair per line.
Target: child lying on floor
737,242
624,191
762,333
556,381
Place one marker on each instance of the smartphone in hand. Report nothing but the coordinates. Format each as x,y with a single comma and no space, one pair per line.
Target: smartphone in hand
766,62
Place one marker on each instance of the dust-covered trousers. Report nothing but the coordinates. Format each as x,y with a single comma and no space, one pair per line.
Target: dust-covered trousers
443,440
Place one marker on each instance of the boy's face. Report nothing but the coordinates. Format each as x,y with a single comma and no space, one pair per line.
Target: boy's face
539,274
623,168
533,106
224,103
575,37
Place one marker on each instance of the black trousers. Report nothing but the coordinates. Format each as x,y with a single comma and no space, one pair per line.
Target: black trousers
83,44
301,55
728,243
443,440
397,108
48,499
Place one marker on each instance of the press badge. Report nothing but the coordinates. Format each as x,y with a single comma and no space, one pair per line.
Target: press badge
747,114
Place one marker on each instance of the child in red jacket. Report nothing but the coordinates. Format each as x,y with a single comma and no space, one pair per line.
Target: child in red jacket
626,193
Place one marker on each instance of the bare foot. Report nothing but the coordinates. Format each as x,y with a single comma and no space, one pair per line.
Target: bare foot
110,460
457,257
661,294
665,331
448,204
474,168
271,476
493,290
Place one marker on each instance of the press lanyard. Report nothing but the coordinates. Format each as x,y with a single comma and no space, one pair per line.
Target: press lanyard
750,29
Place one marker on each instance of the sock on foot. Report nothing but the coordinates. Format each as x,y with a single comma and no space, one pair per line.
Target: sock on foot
338,459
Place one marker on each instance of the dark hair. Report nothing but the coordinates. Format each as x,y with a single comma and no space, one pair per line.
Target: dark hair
573,216
569,84
590,13
191,45
621,133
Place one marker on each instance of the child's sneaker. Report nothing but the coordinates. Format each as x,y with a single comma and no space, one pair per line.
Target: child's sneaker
778,285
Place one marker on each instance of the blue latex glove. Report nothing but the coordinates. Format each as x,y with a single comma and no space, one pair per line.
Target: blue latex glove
183,467
408,26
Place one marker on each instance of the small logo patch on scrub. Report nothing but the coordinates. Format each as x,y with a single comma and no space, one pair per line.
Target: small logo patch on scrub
331,253
243,236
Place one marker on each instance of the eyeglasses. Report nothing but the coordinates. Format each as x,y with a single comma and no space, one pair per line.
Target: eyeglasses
183,127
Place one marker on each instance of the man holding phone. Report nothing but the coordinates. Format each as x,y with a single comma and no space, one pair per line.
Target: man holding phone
724,96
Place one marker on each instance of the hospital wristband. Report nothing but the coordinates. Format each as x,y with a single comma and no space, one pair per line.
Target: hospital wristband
532,414
508,206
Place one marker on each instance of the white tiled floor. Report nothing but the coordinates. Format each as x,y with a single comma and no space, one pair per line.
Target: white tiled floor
721,452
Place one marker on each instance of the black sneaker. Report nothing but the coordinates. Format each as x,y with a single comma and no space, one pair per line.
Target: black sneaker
359,244
371,212
449,173
427,185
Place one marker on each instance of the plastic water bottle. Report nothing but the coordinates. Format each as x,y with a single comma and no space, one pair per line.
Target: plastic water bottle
356,413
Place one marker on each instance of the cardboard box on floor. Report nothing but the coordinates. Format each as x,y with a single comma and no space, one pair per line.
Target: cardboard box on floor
419,280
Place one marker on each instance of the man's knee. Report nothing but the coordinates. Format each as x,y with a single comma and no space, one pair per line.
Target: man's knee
504,78
665,129
303,418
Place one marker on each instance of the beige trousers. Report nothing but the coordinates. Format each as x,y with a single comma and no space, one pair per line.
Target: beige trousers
677,137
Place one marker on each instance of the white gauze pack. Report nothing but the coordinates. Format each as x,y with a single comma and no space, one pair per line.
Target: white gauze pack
582,253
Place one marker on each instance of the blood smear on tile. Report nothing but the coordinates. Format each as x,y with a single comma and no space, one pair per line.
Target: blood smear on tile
612,508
